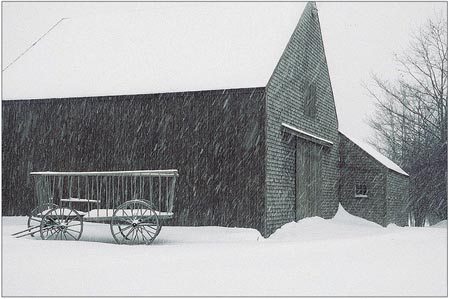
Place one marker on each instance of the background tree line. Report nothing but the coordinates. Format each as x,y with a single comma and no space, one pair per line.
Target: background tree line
410,122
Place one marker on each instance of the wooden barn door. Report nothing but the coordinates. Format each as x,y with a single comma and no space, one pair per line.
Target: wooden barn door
308,178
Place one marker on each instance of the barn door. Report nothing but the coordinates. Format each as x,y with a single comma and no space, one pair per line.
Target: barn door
308,178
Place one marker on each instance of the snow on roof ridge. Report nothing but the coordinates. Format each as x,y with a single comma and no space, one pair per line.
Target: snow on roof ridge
375,154
168,48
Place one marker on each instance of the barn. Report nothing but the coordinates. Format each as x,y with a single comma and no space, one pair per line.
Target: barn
371,186
248,119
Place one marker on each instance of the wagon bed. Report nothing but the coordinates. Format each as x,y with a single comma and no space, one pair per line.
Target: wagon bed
101,215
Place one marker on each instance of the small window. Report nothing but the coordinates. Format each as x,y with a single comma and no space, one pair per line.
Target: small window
360,190
310,100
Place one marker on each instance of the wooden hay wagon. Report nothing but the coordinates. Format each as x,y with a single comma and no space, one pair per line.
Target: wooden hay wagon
134,203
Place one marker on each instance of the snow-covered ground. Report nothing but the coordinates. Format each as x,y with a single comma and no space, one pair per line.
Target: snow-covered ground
345,256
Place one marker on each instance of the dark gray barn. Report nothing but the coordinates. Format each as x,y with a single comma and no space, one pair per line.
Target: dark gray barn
259,156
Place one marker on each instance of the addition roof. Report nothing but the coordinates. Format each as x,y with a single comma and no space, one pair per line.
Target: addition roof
375,154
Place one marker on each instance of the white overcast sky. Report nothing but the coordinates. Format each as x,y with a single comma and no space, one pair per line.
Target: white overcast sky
360,38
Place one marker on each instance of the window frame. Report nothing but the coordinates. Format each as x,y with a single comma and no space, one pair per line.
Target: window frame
361,190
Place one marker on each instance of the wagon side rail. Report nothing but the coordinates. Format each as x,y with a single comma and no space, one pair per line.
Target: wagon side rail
104,191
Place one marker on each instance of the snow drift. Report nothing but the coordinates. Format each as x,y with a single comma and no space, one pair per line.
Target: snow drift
343,256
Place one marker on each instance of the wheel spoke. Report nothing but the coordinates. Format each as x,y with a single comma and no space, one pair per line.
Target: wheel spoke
71,235
130,234
124,212
136,235
73,219
78,224
54,236
149,225
143,214
139,235
54,233
143,235
121,230
149,233
75,231
126,217
51,232
48,230
67,218
132,229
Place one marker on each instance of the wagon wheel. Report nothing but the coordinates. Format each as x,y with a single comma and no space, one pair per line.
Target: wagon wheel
152,206
135,222
35,217
61,224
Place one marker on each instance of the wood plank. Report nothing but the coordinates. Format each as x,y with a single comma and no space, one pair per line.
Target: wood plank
74,199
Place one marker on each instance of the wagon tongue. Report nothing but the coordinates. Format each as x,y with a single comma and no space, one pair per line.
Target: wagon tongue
29,231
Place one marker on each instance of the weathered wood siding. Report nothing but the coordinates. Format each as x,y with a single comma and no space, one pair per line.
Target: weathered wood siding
397,198
358,167
214,138
303,62
388,190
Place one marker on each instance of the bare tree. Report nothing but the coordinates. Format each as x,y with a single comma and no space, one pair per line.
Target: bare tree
411,119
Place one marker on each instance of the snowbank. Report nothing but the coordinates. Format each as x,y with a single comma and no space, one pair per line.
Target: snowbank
343,256
342,225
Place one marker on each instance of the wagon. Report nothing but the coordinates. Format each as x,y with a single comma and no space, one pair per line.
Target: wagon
135,204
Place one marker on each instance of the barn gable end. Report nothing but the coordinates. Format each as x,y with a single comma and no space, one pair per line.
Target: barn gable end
303,64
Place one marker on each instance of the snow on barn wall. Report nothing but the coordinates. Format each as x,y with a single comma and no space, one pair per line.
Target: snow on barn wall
376,190
214,138
303,64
